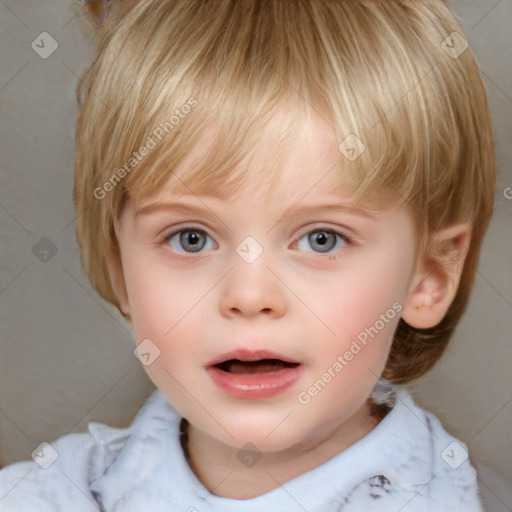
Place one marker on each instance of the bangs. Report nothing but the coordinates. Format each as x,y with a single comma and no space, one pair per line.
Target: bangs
212,76
237,63
220,150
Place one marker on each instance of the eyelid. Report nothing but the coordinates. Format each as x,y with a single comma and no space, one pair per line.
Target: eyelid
348,234
169,233
350,240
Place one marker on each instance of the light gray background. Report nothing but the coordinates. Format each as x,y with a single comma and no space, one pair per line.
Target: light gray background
66,357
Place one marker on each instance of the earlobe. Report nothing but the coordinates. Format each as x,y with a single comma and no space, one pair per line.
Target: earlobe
436,279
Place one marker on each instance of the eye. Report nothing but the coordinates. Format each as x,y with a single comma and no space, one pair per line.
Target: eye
191,241
321,241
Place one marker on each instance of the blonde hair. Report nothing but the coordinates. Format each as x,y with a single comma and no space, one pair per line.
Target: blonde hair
391,73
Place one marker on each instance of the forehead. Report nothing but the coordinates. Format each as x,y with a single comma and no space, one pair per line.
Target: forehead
298,160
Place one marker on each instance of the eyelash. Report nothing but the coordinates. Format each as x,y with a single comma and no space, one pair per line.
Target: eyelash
340,237
168,238
346,240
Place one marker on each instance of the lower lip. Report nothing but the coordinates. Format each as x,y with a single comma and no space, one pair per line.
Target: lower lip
265,385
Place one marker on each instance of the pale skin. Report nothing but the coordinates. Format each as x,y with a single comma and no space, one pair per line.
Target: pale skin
297,299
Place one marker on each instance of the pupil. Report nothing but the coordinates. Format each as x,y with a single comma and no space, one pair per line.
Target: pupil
194,241
321,238
322,241
193,238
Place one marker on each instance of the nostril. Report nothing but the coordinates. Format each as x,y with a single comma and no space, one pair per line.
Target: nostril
266,310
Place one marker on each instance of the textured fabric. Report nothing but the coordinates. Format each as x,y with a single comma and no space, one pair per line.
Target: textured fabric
407,463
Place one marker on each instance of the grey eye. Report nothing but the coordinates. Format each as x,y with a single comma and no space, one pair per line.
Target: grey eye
191,241
321,241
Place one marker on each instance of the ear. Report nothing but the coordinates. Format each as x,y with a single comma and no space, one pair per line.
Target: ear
117,279
436,279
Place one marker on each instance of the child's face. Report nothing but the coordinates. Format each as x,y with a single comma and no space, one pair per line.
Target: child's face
323,296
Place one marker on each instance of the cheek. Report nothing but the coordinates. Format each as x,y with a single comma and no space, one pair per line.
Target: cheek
160,307
151,306
360,309
357,300
158,297
164,307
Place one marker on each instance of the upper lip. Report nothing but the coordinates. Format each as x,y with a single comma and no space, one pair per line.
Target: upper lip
250,355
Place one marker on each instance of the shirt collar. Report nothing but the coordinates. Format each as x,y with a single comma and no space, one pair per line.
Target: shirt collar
151,472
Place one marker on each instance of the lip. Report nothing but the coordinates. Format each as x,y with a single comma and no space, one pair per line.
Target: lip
254,385
250,355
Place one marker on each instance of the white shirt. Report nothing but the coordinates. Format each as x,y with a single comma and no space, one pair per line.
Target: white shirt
407,463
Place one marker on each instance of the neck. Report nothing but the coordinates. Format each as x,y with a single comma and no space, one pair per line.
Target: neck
218,467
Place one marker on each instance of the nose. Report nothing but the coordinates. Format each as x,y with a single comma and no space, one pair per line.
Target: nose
252,290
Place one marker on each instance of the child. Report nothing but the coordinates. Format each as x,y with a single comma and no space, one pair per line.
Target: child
287,200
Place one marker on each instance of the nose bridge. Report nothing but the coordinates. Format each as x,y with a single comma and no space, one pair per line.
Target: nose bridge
251,288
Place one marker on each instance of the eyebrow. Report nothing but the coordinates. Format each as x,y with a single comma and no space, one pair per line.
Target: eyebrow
175,206
331,207
293,210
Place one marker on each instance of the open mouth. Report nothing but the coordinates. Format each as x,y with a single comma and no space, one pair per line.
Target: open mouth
254,375
259,367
